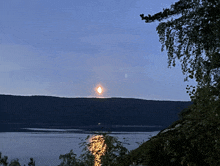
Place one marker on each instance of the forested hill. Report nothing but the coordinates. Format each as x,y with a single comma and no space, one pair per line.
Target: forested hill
54,112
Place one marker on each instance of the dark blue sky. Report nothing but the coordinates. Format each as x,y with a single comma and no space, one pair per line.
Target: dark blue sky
67,48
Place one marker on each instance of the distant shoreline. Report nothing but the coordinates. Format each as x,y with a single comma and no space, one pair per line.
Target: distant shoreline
88,129
88,114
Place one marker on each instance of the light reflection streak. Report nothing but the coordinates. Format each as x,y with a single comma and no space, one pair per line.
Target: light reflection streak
97,148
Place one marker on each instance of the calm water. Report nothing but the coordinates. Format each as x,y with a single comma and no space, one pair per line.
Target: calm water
45,147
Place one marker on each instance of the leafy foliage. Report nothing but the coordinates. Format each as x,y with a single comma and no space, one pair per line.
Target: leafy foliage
70,159
14,162
192,140
114,154
194,39
3,160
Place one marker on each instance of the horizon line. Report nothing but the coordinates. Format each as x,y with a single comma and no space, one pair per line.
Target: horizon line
97,97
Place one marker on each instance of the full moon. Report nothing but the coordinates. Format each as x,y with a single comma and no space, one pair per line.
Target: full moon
99,89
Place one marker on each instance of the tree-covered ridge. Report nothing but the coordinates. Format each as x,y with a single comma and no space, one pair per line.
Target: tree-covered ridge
78,113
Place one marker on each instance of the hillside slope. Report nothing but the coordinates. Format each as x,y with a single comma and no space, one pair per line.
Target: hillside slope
55,112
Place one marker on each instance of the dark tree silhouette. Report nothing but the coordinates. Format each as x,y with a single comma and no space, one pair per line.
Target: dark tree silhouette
193,37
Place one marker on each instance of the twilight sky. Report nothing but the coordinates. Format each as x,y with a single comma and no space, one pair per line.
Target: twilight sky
66,48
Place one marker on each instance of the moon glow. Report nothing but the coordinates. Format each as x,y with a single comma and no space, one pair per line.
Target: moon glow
99,89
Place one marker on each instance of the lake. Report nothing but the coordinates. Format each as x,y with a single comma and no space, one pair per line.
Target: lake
45,145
